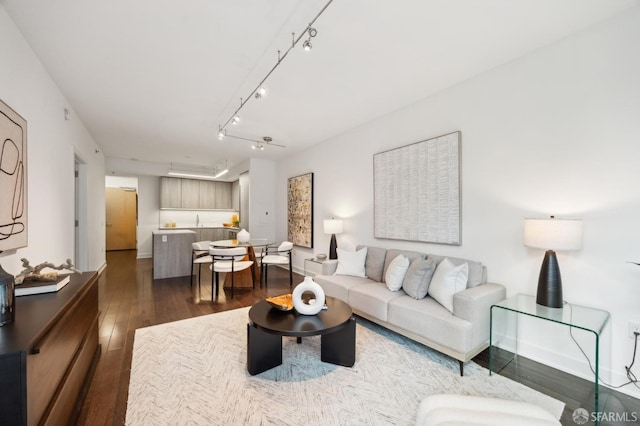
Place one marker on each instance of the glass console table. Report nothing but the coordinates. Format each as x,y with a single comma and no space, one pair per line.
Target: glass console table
568,327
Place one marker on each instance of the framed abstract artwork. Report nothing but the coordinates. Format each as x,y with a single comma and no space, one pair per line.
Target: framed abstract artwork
13,179
417,191
300,210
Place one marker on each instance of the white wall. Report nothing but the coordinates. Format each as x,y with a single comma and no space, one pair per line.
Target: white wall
53,144
148,213
555,132
262,174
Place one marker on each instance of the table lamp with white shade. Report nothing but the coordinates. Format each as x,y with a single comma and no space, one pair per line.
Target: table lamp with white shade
550,235
333,226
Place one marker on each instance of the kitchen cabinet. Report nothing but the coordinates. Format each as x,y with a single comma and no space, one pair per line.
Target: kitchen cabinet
210,234
170,193
192,194
223,195
207,194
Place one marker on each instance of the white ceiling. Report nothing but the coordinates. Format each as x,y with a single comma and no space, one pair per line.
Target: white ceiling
153,79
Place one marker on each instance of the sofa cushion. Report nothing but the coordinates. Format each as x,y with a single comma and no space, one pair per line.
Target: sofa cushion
338,285
396,272
393,253
428,319
374,264
372,298
477,271
416,281
351,262
448,280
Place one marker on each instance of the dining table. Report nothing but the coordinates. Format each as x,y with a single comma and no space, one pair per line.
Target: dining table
247,277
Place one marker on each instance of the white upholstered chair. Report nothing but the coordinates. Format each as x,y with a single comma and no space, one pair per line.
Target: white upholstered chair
227,260
280,255
199,256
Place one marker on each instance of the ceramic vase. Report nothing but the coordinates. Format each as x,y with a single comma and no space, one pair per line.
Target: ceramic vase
313,306
7,298
243,236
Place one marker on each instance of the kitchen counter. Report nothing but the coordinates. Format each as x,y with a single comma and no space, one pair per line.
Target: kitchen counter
183,227
172,252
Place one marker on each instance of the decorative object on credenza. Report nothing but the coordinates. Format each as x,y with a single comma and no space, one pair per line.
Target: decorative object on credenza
34,273
416,191
30,287
333,226
321,256
243,236
13,179
7,298
308,306
550,235
300,210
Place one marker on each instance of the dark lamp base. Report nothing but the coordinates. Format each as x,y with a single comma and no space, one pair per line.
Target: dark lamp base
333,247
550,282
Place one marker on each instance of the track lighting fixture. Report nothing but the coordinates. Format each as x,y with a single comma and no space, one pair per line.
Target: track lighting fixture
260,91
257,145
307,44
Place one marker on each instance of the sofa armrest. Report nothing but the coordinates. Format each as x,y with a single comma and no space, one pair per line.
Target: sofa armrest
329,266
474,305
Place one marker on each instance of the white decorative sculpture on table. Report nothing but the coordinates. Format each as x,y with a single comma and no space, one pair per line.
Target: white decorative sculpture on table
243,236
313,306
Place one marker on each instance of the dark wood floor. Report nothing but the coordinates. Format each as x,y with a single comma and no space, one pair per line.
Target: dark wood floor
130,299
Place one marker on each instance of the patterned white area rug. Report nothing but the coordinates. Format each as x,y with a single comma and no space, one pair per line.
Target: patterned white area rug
193,372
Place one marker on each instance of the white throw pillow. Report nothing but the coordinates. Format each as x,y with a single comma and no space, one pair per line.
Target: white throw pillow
447,281
351,262
395,272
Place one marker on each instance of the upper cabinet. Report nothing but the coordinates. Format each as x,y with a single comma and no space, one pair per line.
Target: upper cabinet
170,193
191,194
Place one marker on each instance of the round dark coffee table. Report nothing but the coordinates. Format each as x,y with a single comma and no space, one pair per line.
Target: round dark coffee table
268,325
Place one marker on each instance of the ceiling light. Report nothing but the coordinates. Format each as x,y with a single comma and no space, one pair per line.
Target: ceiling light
257,146
220,173
260,92
221,135
307,45
236,119
191,175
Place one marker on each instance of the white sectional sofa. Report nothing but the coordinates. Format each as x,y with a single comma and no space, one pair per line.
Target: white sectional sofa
461,333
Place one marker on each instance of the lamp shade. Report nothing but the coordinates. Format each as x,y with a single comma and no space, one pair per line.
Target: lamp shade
333,226
553,234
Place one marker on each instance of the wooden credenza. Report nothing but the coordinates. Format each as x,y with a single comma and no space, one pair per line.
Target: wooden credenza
46,355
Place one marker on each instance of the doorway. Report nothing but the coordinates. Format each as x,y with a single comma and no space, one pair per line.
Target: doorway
121,218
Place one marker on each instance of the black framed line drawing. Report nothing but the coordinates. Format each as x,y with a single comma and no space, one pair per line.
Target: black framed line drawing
300,210
417,191
13,179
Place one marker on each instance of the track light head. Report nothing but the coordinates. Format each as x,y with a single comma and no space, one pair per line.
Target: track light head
221,135
260,92
307,45
236,119
312,32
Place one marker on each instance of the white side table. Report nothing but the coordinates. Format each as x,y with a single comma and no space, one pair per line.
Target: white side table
313,266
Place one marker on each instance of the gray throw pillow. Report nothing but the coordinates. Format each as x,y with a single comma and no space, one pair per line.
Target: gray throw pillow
416,281
375,262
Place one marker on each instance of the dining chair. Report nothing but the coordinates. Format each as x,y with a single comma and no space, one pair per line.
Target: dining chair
228,260
199,256
280,255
